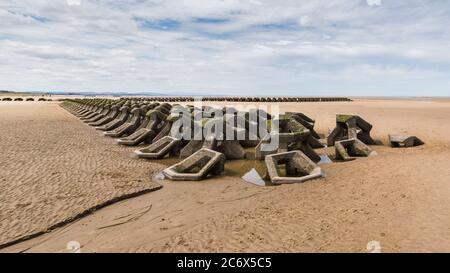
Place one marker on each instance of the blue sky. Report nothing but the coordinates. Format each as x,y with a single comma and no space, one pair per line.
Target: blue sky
220,47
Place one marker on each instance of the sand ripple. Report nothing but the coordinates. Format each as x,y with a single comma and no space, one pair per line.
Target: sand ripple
54,168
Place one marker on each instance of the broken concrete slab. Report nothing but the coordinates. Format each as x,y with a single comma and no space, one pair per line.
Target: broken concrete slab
400,141
325,159
254,177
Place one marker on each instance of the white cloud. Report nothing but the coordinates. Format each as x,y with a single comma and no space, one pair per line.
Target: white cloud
73,2
374,2
305,20
226,46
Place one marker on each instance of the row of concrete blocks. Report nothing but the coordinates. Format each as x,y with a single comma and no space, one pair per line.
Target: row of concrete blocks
298,167
134,122
246,99
202,160
350,137
282,167
27,99
349,127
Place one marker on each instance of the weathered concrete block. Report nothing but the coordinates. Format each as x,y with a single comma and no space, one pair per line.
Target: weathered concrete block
197,166
287,142
350,149
349,127
133,122
190,148
158,149
118,121
156,119
232,149
291,167
399,141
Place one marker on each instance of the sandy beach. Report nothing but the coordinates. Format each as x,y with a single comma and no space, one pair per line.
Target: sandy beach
53,167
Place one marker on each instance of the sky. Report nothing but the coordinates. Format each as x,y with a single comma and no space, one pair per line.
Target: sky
227,47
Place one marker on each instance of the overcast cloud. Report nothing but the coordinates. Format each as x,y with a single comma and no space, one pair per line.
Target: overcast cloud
253,47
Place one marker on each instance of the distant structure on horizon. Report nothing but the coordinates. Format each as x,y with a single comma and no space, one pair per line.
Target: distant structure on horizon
245,99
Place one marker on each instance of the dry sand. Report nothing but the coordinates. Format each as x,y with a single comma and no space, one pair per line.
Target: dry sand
400,198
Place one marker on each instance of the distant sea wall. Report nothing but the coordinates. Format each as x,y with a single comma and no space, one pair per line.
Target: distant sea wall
245,99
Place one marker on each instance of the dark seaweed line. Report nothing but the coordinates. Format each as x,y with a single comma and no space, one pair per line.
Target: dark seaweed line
79,216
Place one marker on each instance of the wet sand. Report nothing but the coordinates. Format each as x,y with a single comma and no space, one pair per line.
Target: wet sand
53,168
399,198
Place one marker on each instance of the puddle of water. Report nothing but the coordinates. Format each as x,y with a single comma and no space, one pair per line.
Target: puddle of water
243,166
237,168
